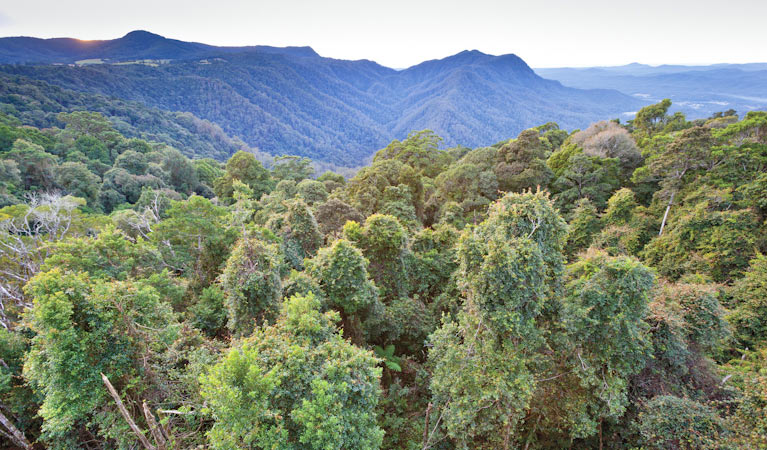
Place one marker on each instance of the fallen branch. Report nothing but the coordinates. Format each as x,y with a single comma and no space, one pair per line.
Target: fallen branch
15,435
126,415
176,412
153,428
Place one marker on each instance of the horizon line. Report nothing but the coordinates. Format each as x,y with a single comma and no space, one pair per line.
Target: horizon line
547,66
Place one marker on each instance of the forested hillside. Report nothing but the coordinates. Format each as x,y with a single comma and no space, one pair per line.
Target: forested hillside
292,101
604,288
39,104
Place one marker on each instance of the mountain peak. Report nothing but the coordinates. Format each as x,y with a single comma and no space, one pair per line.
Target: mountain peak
143,36
135,33
473,52
468,56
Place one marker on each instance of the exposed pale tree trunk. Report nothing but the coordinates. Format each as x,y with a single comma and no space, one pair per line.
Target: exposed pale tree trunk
665,215
15,434
153,428
126,415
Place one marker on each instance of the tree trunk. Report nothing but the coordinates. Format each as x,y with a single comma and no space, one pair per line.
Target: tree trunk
426,426
665,215
600,435
507,433
352,329
154,429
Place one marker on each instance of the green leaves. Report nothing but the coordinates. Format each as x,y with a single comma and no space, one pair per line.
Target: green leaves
750,304
251,284
296,384
243,166
383,241
341,272
387,354
510,266
522,163
667,421
603,313
85,326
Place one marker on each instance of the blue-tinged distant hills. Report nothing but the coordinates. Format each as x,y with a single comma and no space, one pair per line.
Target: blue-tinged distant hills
698,91
293,101
135,45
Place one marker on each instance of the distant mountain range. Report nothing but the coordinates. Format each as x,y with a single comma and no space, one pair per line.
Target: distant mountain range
698,91
293,101
136,45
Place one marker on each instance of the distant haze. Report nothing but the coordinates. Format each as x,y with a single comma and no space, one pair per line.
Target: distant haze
400,33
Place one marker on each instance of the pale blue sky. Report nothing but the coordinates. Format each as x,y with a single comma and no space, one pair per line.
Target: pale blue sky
399,33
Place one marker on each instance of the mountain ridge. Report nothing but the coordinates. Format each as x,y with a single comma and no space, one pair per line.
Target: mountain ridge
288,101
135,45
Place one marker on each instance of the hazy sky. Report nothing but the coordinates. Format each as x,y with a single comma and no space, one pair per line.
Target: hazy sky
400,33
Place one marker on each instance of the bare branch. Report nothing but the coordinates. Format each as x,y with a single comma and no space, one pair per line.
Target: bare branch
16,436
153,428
126,415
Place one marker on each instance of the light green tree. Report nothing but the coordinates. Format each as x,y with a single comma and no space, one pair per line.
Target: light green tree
84,327
295,385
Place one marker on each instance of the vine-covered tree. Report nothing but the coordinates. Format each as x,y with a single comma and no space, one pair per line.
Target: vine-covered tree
251,284
84,327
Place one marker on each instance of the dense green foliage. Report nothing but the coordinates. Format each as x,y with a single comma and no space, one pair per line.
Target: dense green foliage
295,385
38,104
598,289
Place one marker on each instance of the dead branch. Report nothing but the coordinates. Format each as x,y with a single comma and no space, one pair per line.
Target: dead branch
16,436
126,415
153,428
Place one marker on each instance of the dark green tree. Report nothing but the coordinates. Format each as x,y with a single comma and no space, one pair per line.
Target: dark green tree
522,163
37,167
244,166
75,179
251,284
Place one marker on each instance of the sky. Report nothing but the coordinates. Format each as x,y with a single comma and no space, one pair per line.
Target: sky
401,33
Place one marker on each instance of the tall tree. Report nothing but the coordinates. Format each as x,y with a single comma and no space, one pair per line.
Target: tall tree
522,163
510,269
341,273
83,328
